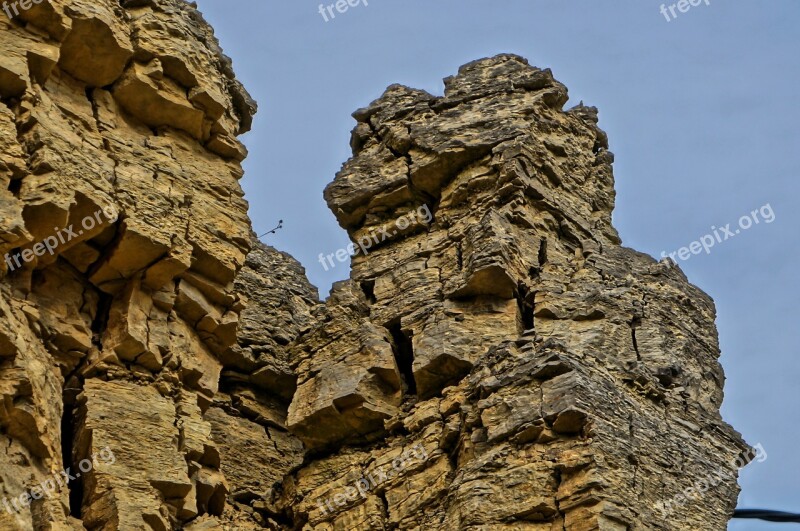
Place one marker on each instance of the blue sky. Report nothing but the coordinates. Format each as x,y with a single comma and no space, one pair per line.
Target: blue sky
700,113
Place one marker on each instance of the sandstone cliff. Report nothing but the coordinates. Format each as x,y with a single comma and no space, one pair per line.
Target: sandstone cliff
496,361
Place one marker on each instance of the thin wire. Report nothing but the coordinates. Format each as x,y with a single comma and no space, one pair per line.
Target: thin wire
273,231
769,516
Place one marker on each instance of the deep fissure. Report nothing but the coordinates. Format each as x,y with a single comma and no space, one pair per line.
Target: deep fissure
634,324
526,301
404,357
368,287
75,486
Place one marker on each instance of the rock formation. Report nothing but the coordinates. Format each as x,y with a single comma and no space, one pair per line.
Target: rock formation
496,361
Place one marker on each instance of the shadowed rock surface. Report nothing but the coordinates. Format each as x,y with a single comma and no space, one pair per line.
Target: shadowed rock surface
497,359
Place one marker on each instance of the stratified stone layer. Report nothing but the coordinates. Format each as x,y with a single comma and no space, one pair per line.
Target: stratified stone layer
496,361
556,379
124,114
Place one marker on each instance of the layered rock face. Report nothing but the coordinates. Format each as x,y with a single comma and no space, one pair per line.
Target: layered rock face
496,361
555,379
123,228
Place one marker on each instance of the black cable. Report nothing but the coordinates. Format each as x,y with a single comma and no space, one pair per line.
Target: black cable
769,516
273,231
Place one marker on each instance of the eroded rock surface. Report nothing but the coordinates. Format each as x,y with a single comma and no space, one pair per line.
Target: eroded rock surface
496,361
115,334
556,379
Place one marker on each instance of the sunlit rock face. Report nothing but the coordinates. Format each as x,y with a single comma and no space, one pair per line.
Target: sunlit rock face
556,379
496,361
123,228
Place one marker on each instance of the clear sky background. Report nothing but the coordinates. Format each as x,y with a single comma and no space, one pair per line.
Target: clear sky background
701,113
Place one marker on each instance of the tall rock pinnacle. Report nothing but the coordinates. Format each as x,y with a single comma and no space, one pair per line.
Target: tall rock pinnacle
555,378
